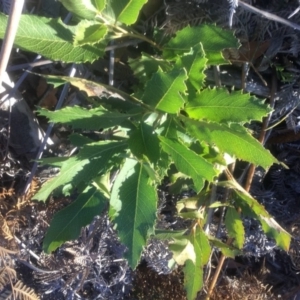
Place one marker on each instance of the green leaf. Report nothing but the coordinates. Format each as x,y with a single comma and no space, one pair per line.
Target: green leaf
163,91
85,9
193,270
145,66
126,11
271,228
144,142
89,33
213,39
218,105
79,140
91,160
188,162
234,140
182,250
82,118
50,38
235,227
133,208
67,223
227,250
195,64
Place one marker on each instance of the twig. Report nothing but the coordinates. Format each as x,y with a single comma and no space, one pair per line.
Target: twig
11,30
268,15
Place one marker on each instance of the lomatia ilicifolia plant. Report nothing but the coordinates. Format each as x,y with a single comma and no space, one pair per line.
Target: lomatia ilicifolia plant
171,125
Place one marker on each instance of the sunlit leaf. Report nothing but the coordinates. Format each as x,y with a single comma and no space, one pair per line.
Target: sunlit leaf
235,227
213,38
89,33
188,162
218,105
164,91
82,118
50,38
193,270
234,140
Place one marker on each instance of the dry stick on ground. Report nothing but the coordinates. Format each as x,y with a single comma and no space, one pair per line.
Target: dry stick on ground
251,171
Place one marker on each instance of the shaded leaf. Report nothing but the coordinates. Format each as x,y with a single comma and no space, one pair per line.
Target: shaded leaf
143,141
133,208
67,223
164,91
234,140
218,105
82,118
91,160
227,250
182,250
50,38
188,162
212,38
235,227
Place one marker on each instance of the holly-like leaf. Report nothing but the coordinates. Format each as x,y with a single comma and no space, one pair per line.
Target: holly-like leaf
67,223
188,162
85,9
89,33
125,11
164,91
235,227
144,142
50,38
82,118
218,105
145,66
213,38
234,140
193,270
195,64
133,208
91,160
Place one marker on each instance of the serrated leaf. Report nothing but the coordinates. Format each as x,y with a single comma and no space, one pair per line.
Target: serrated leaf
133,208
126,11
235,227
218,105
85,9
193,271
182,250
145,66
82,118
67,223
271,228
50,38
188,162
234,140
194,63
91,160
163,234
163,91
95,89
143,141
89,33
213,38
